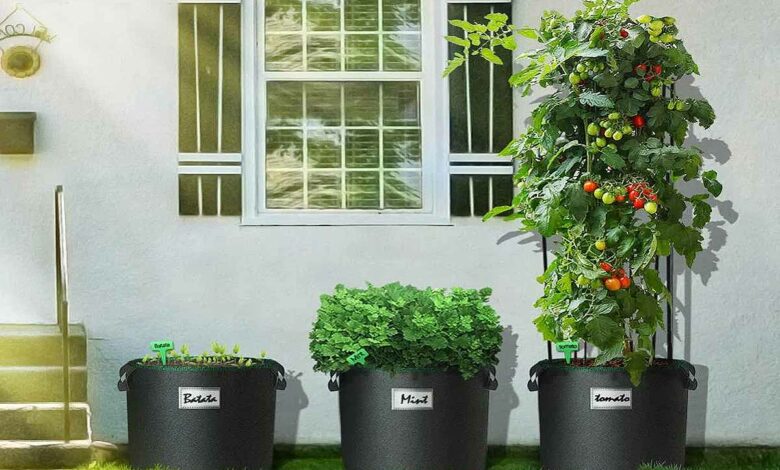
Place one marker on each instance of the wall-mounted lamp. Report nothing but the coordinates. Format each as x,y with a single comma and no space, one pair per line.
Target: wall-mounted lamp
24,35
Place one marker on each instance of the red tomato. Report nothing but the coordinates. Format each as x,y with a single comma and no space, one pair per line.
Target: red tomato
606,266
620,198
612,284
639,121
623,33
590,186
633,195
649,77
639,203
657,69
653,197
625,282
621,272
640,69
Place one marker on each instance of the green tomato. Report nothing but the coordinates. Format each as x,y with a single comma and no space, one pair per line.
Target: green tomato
598,193
644,19
668,20
670,106
618,136
614,116
574,78
612,146
601,142
583,281
602,66
596,284
651,207
657,91
593,129
581,67
657,25
585,75
600,245
627,129
608,199
604,124
668,38
654,33
680,106
608,133
654,39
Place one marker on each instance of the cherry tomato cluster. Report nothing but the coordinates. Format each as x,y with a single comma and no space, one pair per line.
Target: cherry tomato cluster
615,127
642,196
617,277
661,30
652,74
585,70
679,105
608,196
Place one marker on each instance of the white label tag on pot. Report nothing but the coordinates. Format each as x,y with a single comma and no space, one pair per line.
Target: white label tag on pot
412,399
610,399
199,398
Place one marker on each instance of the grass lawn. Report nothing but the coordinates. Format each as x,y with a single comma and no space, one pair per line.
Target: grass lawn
520,458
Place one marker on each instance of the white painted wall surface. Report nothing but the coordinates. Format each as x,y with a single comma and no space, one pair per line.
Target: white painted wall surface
107,130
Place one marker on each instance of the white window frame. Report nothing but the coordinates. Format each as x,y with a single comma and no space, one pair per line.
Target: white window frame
434,122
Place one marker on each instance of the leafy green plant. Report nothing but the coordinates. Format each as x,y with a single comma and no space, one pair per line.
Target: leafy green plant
403,327
597,168
216,356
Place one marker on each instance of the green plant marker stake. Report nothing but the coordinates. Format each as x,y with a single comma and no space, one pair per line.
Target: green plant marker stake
567,348
358,357
162,347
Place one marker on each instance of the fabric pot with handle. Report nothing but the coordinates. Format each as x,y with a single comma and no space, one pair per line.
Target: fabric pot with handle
593,418
201,418
413,420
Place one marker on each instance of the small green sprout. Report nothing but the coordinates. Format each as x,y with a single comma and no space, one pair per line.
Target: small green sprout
236,349
185,350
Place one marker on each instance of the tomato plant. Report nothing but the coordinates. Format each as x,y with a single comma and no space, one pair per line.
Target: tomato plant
611,117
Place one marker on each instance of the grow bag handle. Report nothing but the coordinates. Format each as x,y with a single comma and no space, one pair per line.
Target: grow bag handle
690,375
491,382
281,380
533,385
124,376
334,383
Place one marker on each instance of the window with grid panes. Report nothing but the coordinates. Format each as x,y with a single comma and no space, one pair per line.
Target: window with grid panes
343,112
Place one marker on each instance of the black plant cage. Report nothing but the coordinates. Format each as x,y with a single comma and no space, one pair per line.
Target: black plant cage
669,92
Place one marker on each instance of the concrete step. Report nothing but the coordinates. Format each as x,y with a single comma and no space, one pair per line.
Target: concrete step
39,384
42,421
40,345
44,454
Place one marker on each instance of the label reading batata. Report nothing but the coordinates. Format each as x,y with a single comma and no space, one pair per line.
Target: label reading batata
610,398
199,398
412,399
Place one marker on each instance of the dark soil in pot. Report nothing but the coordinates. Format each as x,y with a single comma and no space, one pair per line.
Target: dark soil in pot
593,418
201,418
417,420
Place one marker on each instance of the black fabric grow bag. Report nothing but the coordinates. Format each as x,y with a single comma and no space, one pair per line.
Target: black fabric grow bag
201,418
592,418
414,420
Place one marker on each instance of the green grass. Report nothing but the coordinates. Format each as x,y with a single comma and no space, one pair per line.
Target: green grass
520,458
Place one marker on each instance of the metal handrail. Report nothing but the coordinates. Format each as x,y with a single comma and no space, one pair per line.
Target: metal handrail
63,320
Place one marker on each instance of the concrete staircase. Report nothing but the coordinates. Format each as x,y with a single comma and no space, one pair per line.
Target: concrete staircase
31,393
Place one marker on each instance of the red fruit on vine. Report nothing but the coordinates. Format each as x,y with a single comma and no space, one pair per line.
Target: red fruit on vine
623,33
590,186
621,273
606,266
639,203
649,77
653,197
640,69
612,284
639,121
633,195
657,69
620,198
625,282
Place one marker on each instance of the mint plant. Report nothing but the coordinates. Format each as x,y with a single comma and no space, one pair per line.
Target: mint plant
217,356
403,327
598,167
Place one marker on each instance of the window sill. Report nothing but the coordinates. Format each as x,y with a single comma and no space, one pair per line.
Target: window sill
344,219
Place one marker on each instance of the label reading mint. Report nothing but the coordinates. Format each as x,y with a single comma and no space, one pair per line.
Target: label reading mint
610,399
412,399
358,358
199,398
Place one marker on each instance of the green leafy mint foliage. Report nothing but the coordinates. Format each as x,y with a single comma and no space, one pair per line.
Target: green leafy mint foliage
612,120
403,327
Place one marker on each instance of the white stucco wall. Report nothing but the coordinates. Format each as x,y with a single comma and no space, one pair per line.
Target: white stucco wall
107,106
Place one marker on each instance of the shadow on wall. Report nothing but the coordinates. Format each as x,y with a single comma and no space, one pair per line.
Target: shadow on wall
505,398
697,407
289,404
